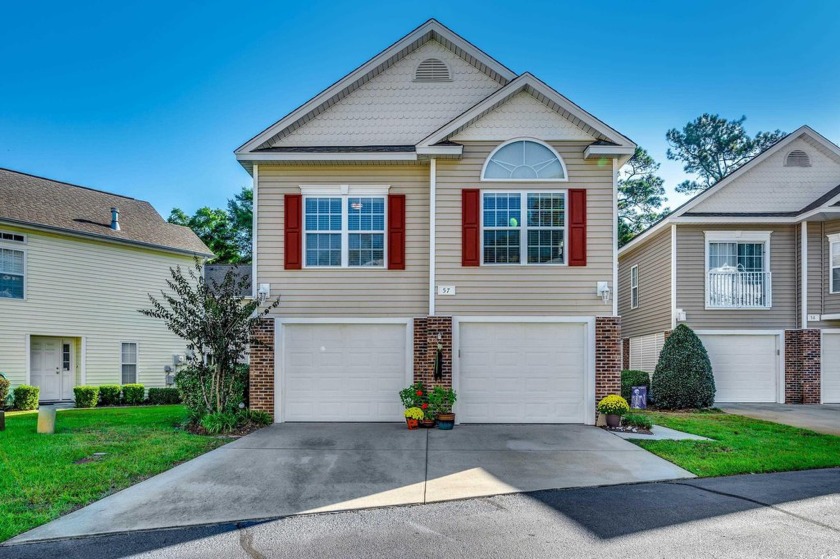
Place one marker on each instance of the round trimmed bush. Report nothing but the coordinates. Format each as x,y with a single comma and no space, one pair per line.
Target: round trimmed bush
86,396
162,396
683,376
26,397
4,391
631,378
109,394
133,394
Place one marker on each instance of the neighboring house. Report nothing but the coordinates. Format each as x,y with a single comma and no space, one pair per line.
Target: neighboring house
753,266
76,264
434,201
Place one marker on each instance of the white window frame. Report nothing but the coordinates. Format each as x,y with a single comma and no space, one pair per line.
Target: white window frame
19,246
736,237
136,361
523,227
833,239
536,141
634,287
345,192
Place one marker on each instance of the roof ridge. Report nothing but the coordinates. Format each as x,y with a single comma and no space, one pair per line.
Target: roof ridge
70,184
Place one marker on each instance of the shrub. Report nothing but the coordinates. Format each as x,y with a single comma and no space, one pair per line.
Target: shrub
261,417
86,396
109,394
197,398
26,397
632,378
441,400
4,391
637,420
133,394
215,423
613,405
683,376
413,396
163,396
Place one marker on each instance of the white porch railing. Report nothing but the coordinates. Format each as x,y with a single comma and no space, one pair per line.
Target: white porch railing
738,290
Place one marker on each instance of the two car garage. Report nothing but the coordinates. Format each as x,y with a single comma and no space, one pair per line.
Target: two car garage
537,370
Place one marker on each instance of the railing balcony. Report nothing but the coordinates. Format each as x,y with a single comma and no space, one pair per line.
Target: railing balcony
738,290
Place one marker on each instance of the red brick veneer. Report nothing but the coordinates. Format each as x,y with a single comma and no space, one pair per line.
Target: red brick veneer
802,366
426,330
608,350
261,375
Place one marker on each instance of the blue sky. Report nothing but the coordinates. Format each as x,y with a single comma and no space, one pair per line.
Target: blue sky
149,99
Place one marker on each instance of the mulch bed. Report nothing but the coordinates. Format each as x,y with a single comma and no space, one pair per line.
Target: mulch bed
240,431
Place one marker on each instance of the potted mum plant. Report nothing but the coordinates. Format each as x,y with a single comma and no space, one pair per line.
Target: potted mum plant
613,407
413,417
441,401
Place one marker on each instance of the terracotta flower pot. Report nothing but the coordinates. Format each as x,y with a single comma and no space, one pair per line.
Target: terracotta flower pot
613,420
412,423
446,421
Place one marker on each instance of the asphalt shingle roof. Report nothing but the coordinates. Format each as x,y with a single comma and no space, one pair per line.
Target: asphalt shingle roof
36,201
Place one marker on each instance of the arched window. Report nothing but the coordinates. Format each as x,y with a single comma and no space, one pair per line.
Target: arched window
432,70
524,160
797,158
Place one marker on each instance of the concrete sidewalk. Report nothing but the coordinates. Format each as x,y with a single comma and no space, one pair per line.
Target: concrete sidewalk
302,468
823,418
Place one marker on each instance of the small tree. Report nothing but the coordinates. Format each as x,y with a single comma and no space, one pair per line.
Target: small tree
683,377
215,322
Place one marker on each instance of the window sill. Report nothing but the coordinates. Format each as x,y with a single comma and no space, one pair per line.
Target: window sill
708,308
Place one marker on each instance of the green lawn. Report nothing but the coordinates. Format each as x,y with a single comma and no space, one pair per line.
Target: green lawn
45,476
741,445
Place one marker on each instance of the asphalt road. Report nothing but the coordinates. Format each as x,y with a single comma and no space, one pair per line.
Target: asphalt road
772,515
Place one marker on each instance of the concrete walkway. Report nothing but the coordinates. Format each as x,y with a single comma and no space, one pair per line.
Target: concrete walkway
820,418
302,468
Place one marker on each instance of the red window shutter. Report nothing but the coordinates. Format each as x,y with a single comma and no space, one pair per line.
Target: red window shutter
396,231
293,235
577,227
470,227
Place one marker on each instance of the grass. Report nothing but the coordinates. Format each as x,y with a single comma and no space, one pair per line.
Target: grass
46,476
741,445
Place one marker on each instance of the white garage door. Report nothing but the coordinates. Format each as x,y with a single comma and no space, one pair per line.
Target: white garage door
831,368
746,366
343,372
522,372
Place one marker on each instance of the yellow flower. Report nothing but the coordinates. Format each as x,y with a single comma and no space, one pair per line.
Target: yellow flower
414,413
613,405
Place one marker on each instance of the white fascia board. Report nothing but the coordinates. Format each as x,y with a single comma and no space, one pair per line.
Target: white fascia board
431,26
440,150
357,156
607,151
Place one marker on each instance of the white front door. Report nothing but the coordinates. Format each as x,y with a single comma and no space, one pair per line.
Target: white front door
830,368
522,372
52,367
745,365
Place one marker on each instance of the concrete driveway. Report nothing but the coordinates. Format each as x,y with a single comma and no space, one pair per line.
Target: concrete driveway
820,418
303,468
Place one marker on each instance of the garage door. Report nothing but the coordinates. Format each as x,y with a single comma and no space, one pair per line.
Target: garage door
343,372
746,366
522,372
831,368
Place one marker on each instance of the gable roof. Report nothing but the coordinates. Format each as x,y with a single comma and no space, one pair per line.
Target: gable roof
527,82
59,206
685,209
430,30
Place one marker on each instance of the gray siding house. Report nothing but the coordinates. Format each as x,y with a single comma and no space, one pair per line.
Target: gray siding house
753,266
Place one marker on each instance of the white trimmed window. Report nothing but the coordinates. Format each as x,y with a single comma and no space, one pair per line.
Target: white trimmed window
834,263
738,269
12,267
634,287
524,161
539,239
344,227
128,363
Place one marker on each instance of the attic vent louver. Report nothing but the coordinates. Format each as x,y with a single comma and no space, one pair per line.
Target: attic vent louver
432,70
797,158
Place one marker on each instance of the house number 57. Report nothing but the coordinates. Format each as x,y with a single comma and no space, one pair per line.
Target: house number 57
446,290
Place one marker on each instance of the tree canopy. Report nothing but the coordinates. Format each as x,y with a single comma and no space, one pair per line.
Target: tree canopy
641,194
711,147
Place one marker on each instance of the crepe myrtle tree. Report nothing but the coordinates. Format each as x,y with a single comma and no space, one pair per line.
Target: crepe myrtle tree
215,321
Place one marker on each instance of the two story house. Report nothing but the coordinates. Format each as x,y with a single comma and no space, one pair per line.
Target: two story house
753,266
76,264
435,216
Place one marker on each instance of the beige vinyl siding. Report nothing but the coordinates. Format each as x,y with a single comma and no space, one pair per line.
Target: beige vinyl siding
820,300
691,270
653,315
524,290
345,292
89,291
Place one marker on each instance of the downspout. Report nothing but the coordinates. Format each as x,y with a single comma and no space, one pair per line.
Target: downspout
803,257
615,237
674,276
432,226
254,231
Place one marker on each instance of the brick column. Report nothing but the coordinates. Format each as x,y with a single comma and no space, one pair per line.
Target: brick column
261,372
625,353
793,366
426,331
608,348
802,366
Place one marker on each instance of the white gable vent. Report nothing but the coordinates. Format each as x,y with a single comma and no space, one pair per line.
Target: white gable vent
432,70
797,158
